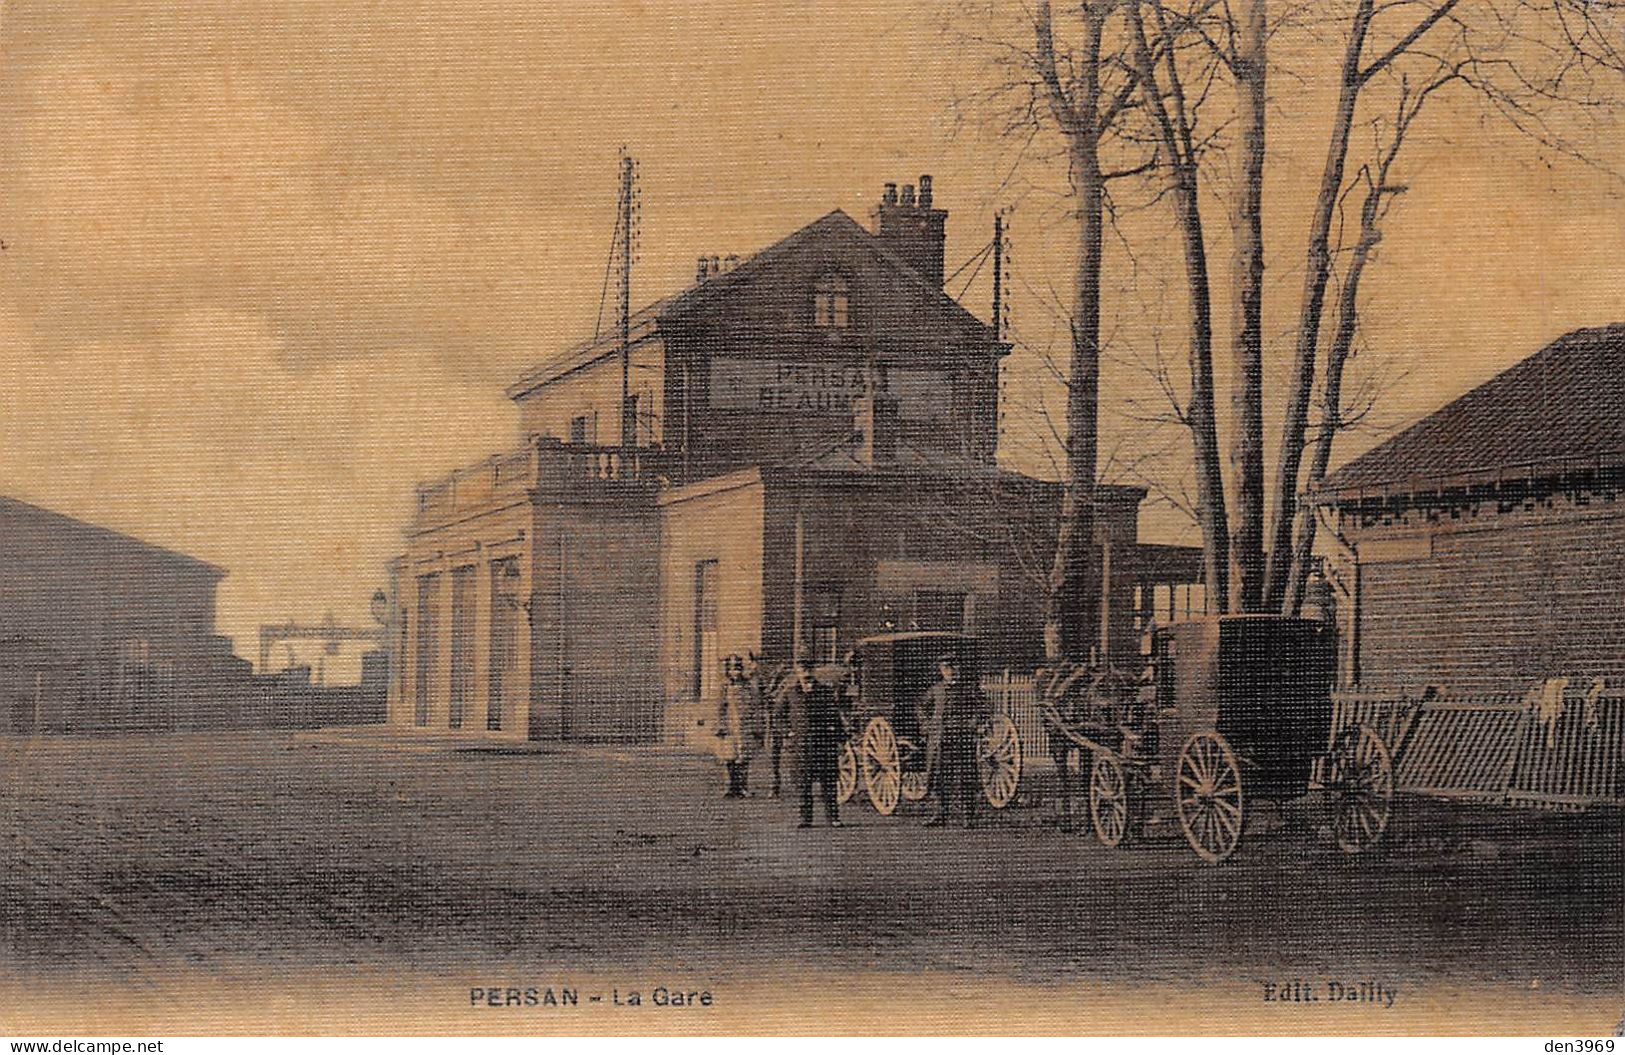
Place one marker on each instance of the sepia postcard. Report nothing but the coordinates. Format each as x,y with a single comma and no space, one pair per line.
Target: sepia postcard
875,517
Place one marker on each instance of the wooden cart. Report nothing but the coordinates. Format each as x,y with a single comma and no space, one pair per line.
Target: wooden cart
887,751
1237,709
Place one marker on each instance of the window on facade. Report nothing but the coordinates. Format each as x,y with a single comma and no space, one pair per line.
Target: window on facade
824,614
634,411
580,425
832,305
428,644
707,658
463,586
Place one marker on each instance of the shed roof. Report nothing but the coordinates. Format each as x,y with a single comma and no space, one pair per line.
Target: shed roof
1561,408
22,516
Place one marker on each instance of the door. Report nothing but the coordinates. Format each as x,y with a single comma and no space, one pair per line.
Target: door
463,586
504,639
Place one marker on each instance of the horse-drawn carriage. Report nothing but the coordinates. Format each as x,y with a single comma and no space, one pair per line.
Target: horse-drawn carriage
1237,709
887,750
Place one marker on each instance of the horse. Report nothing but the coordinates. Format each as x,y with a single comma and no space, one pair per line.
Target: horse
1078,697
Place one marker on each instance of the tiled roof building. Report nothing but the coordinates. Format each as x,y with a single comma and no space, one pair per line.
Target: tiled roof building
1480,548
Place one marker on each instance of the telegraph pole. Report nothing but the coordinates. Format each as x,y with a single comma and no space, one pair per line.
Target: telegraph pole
998,276
628,412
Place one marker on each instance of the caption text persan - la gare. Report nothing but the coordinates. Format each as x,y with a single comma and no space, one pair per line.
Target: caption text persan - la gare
532,996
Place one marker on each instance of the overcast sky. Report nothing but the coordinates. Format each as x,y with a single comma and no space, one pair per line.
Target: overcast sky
268,264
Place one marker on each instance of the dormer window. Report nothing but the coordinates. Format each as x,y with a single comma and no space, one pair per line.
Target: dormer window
832,307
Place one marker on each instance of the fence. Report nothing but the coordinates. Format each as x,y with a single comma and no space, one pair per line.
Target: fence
1563,750
1566,754
1016,695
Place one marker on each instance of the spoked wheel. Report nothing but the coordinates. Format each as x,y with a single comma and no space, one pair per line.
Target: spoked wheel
1109,800
1207,793
882,769
998,761
915,781
846,777
1360,777
915,786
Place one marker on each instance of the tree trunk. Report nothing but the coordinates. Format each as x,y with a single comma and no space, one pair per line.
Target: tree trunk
1317,269
1348,306
1072,600
1165,99
1210,505
1247,311
1073,585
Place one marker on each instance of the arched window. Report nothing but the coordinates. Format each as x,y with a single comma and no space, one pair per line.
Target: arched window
831,304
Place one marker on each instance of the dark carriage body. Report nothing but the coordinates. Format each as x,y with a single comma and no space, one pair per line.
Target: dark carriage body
1263,682
896,670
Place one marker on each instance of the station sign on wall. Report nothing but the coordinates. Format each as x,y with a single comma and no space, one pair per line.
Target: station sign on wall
788,386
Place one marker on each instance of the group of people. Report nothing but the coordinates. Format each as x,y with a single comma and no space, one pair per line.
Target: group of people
808,717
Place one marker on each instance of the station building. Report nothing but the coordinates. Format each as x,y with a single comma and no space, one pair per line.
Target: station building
806,453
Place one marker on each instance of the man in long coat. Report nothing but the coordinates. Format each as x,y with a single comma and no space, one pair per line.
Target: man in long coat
812,712
951,714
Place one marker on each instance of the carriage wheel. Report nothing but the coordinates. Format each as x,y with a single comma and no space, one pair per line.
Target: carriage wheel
882,769
915,782
1207,793
915,786
1109,800
1361,780
998,761
846,777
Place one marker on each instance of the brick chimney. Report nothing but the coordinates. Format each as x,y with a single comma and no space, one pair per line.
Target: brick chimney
876,416
911,228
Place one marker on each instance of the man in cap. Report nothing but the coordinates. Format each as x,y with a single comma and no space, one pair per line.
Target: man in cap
950,715
813,710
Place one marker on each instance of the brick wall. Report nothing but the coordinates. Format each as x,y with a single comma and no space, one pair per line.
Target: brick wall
1492,599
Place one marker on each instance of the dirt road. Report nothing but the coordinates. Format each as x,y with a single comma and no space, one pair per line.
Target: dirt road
238,854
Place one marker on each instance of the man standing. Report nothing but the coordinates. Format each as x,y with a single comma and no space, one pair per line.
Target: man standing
813,714
734,718
950,714
774,692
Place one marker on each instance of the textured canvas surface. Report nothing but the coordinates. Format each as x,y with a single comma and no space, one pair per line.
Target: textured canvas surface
483,485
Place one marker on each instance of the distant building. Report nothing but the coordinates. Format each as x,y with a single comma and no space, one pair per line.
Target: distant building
810,454
100,631
1483,548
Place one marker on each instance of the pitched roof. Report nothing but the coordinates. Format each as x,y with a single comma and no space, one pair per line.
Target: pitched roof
832,225
1563,407
60,524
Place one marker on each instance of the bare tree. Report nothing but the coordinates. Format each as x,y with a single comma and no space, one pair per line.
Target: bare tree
1073,82
1531,61
1355,73
1378,193
1173,118
1133,78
